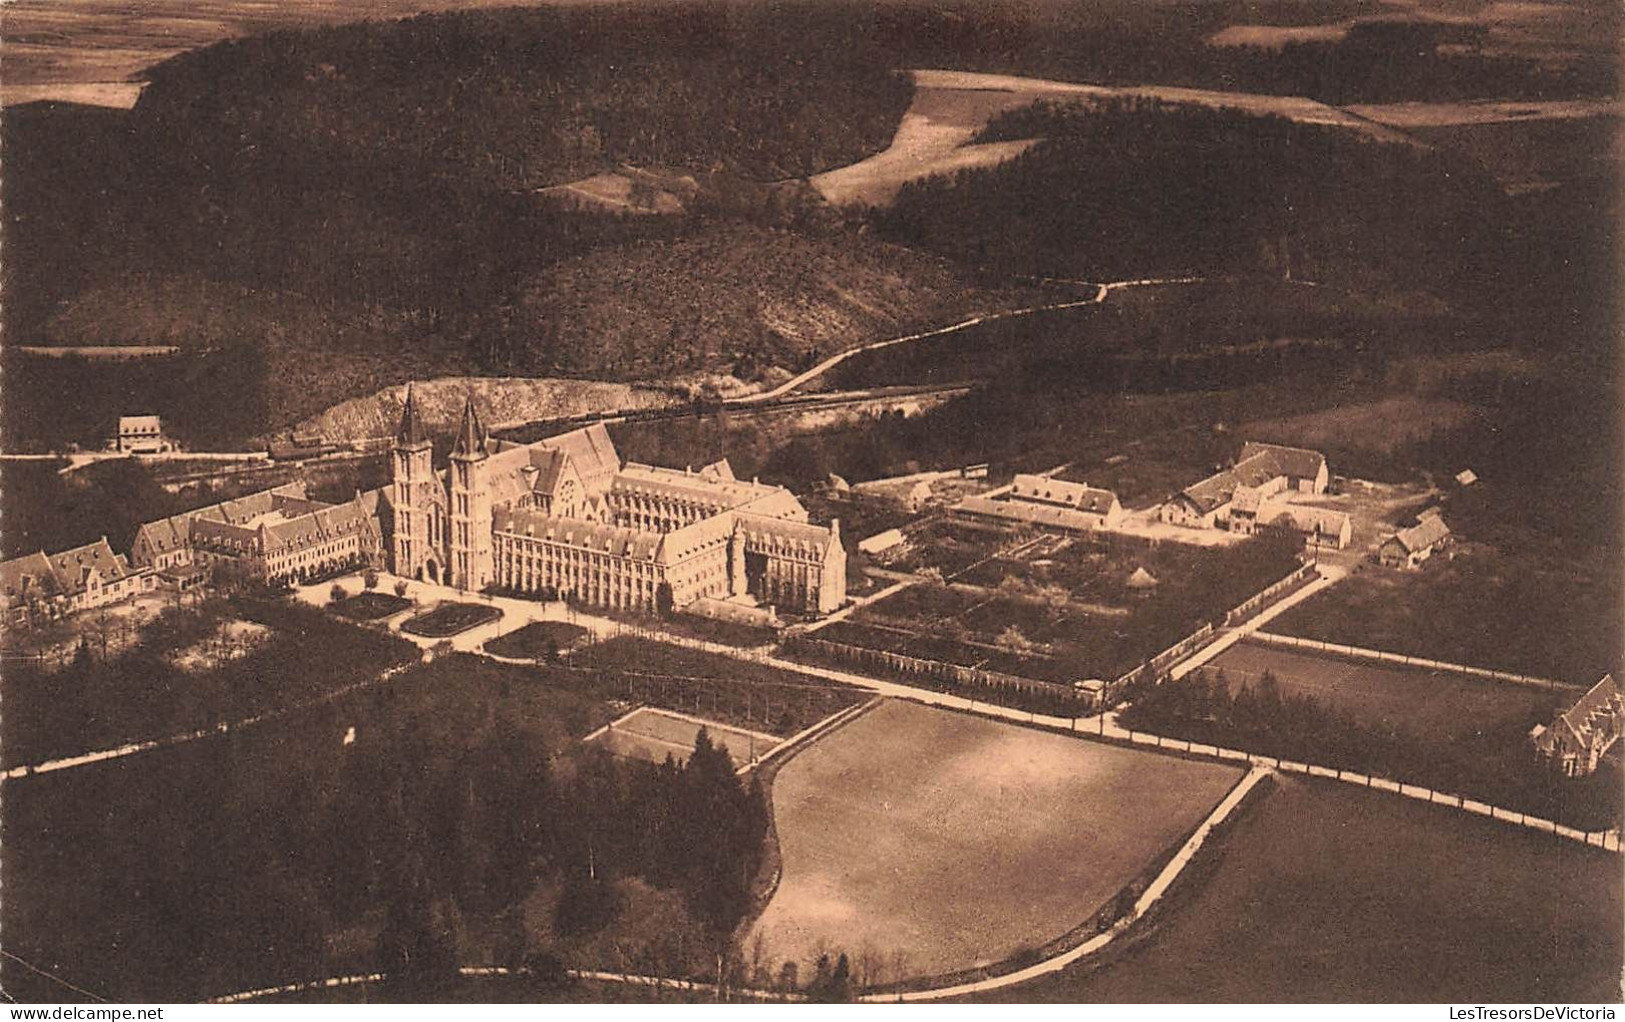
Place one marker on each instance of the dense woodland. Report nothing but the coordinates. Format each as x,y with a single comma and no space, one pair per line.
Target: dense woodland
1133,188
452,831
304,213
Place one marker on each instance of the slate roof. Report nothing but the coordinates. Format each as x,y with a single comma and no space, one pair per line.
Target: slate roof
1422,535
1079,496
1029,512
31,572
589,536
175,532
1293,462
1596,716
60,574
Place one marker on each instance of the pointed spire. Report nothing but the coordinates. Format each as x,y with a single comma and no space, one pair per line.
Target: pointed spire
410,433
470,435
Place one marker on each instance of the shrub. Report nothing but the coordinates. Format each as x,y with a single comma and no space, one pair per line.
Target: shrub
400,587
370,579
337,593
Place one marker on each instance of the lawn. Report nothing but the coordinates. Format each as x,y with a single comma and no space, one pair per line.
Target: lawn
539,640
652,735
370,606
1546,618
935,842
449,619
1326,892
1425,704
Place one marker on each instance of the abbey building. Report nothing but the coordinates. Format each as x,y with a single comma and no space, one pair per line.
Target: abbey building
564,515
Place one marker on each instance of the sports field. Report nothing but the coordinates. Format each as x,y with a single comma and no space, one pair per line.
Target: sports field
934,841
1409,699
653,734
1328,892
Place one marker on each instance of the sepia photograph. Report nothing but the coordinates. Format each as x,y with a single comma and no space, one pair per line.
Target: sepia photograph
678,502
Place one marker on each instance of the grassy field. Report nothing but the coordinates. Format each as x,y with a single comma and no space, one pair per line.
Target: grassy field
934,842
1426,704
1325,892
1496,609
651,734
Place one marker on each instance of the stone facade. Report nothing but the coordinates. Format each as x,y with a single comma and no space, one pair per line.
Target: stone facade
564,516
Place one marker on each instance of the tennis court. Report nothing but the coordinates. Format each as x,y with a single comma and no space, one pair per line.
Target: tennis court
1416,700
652,734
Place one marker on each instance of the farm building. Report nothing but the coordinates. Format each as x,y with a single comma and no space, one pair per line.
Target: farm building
42,586
1581,735
1410,547
1038,500
1253,490
1323,526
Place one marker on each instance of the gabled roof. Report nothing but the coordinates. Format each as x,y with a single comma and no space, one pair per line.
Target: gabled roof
1213,492
139,424
1078,496
73,567
1601,709
29,573
1422,535
1324,520
175,532
1295,462
701,489
591,451
1030,512
591,536
784,532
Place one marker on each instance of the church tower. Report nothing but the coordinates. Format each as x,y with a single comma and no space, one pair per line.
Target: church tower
470,505
416,545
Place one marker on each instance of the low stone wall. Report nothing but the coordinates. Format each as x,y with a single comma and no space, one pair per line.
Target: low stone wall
1258,601
1357,653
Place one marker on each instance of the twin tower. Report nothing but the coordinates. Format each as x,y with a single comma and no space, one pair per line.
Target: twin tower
441,536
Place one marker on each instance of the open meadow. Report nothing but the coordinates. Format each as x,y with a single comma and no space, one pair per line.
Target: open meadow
932,842
1323,892
1506,610
1431,705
